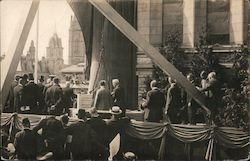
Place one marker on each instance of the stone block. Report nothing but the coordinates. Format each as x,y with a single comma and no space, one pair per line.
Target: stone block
155,22
144,30
156,30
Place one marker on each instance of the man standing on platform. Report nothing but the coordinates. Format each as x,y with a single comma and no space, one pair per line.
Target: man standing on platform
118,96
53,98
155,103
31,95
103,99
173,104
68,97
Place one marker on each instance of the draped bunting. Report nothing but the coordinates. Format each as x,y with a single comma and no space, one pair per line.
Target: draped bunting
228,137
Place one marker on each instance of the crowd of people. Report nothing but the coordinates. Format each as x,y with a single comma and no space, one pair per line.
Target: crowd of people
173,104
90,138
25,96
83,139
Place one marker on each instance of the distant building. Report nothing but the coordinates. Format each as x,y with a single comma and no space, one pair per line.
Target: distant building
76,43
54,55
27,62
75,71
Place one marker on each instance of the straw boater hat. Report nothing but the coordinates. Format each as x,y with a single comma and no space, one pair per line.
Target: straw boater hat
93,112
116,110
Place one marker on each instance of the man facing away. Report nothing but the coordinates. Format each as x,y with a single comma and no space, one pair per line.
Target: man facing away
68,97
100,128
116,125
53,98
173,104
31,96
83,138
53,135
155,103
103,99
26,142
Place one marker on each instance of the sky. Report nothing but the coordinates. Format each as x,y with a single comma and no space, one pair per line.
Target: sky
54,16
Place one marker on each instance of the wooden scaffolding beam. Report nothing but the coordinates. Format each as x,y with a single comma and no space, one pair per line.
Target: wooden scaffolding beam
16,49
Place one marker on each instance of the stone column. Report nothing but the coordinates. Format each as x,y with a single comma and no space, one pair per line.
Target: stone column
156,12
238,21
200,19
188,23
149,24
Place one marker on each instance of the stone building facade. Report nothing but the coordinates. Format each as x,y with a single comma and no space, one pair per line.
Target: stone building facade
76,43
54,55
225,21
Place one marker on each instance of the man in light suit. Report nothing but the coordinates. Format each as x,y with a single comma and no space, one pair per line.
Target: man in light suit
118,95
103,99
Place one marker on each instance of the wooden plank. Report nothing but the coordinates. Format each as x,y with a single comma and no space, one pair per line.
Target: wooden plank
134,36
16,49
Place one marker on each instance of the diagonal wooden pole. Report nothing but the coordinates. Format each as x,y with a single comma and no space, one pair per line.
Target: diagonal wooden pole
16,49
134,36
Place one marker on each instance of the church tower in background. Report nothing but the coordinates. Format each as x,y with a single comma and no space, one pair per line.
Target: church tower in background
54,55
77,52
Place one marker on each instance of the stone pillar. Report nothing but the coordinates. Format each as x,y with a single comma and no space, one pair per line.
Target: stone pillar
200,19
156,12
238,21
188,23
149,24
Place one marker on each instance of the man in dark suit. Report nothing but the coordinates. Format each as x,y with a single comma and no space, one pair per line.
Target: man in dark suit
83,138
53,135
53,98
103,99
99,126
155,103
118,95
26,142
42,97
173,104
68,97
31,95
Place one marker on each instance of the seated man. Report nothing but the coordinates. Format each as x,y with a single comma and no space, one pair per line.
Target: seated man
26,142
99,126
116,125
83,138
53,135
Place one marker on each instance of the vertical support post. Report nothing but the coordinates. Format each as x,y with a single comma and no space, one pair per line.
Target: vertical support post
238,22
188,23
36,52
16,49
